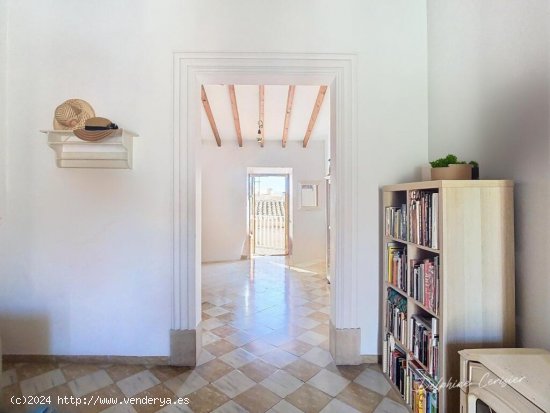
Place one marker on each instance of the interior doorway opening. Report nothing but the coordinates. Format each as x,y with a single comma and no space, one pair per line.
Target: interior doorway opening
269,214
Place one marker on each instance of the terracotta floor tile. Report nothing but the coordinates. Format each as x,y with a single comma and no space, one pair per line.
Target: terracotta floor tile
158,392
302,369
164,373
213,370
220,347
360,397
296,347
121,371
102,398
258,370
258,399
308,399
206,399
259,347
224,331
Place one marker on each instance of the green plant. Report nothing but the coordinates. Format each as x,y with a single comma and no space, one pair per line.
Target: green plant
448,160
473,163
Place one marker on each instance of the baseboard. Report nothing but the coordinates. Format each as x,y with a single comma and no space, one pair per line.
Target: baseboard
185,346
43,358
345,345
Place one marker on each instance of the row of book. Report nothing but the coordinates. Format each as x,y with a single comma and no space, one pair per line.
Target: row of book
422,390
423,212
424,342
415,221
396,315
394,364
397,265
396,222
424,286
418,388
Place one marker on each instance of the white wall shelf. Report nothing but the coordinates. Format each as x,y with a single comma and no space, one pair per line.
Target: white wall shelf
114,152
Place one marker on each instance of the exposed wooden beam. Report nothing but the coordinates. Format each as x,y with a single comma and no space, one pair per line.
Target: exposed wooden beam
289,101
315,113
235,110
210,116
261,125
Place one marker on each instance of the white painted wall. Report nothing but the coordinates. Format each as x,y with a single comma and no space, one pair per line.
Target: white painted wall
489,80
224,197
3,90
85,255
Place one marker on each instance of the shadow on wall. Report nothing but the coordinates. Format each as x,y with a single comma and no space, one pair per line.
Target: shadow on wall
15,330
517,146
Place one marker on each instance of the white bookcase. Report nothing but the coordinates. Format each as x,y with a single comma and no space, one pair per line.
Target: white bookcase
475,250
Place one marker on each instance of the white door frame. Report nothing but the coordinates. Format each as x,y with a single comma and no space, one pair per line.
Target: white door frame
193,69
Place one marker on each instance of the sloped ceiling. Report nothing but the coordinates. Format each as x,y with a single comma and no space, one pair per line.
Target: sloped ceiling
275,98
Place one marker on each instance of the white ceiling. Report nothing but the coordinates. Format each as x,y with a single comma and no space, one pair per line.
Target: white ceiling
275,97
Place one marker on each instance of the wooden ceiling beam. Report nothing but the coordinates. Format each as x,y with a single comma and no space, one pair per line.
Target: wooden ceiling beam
315,113
235,110
289,100
261,125
210,116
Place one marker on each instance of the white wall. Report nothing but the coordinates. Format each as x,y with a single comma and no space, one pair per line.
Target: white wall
224,197
489,101
85,256
3,90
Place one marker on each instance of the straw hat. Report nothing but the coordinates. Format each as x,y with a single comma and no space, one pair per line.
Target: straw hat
72,114
96,129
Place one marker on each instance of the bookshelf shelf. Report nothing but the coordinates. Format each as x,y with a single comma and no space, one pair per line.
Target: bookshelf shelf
412,244
459,287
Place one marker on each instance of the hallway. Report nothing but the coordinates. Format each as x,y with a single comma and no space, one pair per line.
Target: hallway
266,343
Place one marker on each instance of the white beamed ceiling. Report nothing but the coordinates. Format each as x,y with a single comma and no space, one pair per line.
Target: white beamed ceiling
274,117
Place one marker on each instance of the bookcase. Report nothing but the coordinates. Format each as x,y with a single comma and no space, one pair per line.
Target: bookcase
447,283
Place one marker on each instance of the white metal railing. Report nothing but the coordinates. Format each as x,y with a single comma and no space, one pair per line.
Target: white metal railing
270,221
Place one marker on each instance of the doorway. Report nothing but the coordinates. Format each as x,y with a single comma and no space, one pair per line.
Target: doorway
268,214
336,70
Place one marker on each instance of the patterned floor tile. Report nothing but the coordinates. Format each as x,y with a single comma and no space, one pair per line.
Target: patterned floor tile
328,382
220,347
312,338
257,399
318,356
259,347
284,407
213,370
389,406
336,406
90,383
206,399
230,407
258,370
302,369
374,381
234,383
185,383
42,382
238,358
279,358
282,383
309,399
360,397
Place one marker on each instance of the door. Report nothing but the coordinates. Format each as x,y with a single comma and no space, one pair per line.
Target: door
268,209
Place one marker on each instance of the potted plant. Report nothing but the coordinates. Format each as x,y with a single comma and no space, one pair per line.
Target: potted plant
475,169
450,168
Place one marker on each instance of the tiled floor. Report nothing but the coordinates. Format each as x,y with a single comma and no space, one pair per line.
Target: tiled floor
265,349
